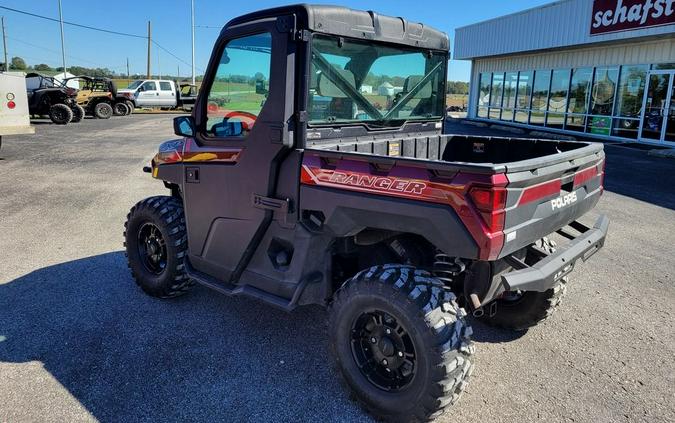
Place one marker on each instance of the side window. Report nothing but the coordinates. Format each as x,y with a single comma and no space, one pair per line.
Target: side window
149,86
240,86
165,86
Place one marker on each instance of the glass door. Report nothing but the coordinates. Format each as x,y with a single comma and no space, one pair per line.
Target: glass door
658,119
669,126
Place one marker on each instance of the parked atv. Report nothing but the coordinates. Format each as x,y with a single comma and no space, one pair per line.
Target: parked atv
295,186
46,96
98,97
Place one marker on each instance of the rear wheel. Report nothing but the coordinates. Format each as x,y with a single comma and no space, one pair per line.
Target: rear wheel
156,244
522,310
60,114
78,112
130,105
103,111
120,109
400,342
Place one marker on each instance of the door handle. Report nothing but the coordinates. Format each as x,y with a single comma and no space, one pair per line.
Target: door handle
192,175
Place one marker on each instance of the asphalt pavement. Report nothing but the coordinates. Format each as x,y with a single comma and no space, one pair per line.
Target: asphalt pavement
80,342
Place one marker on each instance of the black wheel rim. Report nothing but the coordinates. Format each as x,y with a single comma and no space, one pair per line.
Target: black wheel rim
383,350
59,114
152,248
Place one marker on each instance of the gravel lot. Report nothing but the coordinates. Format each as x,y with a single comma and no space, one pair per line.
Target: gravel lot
79,341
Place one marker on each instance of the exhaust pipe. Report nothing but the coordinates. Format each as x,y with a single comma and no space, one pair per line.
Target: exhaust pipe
477,307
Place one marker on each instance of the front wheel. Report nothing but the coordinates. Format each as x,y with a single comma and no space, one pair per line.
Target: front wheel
400,342
156,245
60,114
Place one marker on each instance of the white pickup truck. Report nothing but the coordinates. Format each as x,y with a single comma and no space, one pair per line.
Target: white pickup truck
150,93
14,118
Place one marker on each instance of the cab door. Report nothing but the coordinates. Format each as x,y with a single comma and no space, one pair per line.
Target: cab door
148,94
241,139
167,94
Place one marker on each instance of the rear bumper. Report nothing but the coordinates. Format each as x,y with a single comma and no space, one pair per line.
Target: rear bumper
547,272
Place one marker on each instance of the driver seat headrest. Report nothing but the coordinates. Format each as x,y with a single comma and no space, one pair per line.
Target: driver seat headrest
326,87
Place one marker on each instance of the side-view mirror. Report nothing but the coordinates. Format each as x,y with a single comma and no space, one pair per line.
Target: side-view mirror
184,126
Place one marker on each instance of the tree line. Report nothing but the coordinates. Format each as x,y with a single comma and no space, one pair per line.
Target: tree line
19,64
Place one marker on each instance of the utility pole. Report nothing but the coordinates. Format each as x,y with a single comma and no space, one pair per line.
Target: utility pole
159,66
63,43
127,68
149,44
193,41
178,74
4,43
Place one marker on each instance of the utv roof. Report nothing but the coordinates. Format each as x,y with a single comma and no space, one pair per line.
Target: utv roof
342,21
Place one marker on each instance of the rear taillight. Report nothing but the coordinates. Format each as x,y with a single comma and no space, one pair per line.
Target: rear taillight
490,203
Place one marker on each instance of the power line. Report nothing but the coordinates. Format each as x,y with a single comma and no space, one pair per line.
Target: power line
72,23
23,12
173,55
58,52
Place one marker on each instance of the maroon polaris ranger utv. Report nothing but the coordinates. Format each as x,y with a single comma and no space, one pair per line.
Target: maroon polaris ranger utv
314,170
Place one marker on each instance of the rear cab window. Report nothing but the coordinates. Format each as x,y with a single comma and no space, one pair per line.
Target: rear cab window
165,86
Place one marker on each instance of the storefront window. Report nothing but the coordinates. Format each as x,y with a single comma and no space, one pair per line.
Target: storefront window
496,95
542,81
604,90
523,96
557,103
629,99
602,100
484,94
509,103
578,101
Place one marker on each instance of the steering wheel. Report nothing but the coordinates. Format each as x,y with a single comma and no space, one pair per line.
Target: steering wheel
247,119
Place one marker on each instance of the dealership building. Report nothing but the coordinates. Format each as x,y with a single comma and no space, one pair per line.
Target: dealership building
604,68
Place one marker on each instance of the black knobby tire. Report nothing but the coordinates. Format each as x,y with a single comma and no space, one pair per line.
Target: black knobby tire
78,113
130,105
437,340
60,114
127,110
168,278
120,109
528,309
103,111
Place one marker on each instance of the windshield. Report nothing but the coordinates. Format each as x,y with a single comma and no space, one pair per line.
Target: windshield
135,84
357,81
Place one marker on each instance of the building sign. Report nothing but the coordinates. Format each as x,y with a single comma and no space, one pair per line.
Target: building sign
624,15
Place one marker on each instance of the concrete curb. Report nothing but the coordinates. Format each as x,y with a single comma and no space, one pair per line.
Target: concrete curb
553,136
510,129
474,123
667,153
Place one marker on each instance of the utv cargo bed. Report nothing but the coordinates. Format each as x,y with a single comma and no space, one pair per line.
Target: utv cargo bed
547,184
